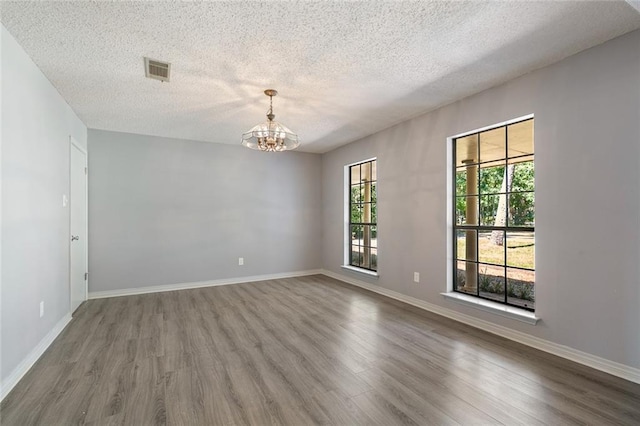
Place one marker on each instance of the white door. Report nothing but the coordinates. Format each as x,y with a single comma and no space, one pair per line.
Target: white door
78,213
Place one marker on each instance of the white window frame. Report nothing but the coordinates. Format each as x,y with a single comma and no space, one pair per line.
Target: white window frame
468,300
346,218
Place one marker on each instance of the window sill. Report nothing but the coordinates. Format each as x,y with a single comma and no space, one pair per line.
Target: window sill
496,308
360,270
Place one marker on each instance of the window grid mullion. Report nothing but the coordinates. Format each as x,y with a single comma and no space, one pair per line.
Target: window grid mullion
361,227
507,189
508,227
477,263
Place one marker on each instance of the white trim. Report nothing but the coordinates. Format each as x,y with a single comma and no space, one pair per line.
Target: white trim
493,126
199,284
450,220
77,145
495,308
74,144
347,213
614,368
518,314
635,4
21,369
360,162
360,270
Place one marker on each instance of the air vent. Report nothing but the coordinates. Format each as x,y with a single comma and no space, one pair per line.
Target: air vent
156,69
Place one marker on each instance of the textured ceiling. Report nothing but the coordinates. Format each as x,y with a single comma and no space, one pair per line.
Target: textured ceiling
343,69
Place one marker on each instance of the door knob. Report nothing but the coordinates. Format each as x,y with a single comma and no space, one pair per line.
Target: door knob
76,237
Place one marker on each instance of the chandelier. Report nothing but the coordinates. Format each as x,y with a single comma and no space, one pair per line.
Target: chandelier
270,136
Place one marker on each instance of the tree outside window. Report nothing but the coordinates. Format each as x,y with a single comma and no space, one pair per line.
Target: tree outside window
494,206
363,216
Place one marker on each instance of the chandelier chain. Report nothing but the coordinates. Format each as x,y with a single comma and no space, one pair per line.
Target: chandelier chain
270,114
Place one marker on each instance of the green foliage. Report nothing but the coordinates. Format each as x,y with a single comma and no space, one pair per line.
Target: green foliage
485,283
357,259
526,293
357,208
461,202
461,182
491,284
521,203
490,180
521,290
523,177
490,183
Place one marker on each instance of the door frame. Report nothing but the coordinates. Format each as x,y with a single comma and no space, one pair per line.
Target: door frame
74,144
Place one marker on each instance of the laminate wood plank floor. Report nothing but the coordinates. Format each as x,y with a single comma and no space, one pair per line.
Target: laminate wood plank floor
299,351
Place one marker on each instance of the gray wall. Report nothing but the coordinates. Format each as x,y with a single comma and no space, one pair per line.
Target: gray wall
36,124
587,141
169,211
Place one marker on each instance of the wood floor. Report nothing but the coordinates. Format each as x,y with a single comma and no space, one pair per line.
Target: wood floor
299,351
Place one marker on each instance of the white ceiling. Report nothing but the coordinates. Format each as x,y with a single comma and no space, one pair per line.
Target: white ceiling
344,70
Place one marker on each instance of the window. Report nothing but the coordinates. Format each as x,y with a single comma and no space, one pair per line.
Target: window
493,224
363,216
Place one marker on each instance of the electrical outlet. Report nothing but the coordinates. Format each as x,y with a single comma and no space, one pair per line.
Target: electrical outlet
41,309
416,277
241,261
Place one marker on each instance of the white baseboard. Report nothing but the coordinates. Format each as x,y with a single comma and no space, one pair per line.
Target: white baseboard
33,356
614,368
198,284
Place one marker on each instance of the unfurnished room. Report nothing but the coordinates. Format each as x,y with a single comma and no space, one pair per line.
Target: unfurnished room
320,212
